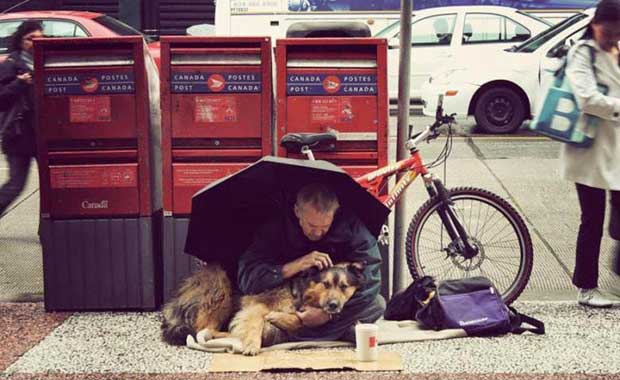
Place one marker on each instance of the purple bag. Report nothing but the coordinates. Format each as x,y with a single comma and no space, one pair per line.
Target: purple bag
473,304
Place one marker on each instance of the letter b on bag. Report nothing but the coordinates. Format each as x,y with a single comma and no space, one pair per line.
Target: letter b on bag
562,111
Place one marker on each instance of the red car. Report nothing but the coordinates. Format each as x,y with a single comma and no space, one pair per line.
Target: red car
70,24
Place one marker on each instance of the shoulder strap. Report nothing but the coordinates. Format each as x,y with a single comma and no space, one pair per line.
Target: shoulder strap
560,71
518,319
592,59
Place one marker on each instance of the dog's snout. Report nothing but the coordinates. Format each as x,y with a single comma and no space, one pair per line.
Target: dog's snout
333,305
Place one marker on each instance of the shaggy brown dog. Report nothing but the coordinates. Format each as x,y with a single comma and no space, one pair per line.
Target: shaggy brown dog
269,318
204,300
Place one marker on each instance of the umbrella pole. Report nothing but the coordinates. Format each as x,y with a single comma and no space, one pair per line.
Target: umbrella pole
404,69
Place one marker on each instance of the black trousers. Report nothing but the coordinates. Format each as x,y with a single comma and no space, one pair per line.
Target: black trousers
19,166
592,203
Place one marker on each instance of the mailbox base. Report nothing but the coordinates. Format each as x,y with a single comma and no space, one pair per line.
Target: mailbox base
177,264
101,264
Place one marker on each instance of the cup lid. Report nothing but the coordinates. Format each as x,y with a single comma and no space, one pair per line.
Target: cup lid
366,327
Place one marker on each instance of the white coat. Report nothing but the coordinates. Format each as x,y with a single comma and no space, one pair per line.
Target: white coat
598,165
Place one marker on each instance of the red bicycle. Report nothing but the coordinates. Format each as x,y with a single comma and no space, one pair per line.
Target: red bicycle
459,232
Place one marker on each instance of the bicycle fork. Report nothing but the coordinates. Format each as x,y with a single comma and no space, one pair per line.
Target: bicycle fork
454,228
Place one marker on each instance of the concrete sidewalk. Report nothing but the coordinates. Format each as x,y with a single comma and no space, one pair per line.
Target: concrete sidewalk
580,342
127,345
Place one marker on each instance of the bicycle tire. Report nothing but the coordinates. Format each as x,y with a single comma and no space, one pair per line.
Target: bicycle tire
419,267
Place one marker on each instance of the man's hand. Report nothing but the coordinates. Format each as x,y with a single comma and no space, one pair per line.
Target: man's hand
26,77
313,259
313,316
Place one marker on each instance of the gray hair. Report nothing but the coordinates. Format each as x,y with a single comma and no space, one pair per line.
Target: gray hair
320,196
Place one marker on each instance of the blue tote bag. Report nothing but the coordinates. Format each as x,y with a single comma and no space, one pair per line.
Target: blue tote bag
559,116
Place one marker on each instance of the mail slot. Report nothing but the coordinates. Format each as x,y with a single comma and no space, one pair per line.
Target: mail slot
100,172
216,98
335,84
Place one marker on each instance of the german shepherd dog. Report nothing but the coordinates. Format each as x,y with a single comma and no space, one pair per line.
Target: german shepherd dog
270,317
204,301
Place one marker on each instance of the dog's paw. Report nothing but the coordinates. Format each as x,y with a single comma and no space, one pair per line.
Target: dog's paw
251,349
273,316
203,336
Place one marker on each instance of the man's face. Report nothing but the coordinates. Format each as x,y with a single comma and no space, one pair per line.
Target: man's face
313,223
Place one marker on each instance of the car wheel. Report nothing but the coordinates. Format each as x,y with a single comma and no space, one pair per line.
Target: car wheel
499,110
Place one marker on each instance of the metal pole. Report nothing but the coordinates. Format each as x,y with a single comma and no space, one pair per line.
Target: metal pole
404,69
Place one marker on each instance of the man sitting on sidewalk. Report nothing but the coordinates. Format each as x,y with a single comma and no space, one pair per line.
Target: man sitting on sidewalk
316,233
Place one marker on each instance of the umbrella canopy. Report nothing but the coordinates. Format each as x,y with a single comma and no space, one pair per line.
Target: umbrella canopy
226,213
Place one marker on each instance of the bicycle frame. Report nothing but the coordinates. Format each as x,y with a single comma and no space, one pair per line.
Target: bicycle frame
376,180
413,166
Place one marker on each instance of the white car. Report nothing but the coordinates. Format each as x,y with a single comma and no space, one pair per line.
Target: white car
500,90
440,34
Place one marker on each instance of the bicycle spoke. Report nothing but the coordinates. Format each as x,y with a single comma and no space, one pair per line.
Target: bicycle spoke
484,224
490,218
499,232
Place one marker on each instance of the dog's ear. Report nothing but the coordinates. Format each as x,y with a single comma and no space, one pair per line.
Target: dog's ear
357,271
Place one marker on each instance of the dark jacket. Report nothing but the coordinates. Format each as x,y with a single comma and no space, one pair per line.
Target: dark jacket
17,93
282,241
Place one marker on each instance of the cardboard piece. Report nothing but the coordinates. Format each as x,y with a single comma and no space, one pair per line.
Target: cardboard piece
295,360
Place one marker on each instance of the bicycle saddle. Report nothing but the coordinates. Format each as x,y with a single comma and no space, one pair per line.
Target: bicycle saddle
293,142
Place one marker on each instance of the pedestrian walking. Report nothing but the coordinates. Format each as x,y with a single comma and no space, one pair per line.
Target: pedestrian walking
596,169
17,104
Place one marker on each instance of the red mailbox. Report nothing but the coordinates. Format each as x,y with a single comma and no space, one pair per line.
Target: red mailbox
216,119
98,125
335,83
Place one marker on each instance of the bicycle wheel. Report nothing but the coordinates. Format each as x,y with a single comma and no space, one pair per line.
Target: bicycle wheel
505,253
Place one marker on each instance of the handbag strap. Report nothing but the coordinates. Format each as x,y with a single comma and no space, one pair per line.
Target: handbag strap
559,73
538,326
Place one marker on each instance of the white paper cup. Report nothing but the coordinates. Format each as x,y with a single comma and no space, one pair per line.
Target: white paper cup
366,341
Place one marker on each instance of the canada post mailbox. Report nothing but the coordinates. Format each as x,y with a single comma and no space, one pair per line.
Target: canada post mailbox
100,179
216,98
340,84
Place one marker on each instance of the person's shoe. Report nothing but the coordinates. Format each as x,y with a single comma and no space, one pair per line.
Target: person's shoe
592,298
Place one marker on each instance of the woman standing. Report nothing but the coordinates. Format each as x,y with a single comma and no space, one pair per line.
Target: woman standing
595,170
17,104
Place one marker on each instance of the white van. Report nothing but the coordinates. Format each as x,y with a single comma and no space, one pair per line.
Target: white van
274,17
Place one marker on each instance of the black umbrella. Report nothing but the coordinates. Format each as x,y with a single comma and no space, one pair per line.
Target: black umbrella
226,213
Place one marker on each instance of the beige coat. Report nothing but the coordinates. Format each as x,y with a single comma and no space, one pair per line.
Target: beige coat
599,165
